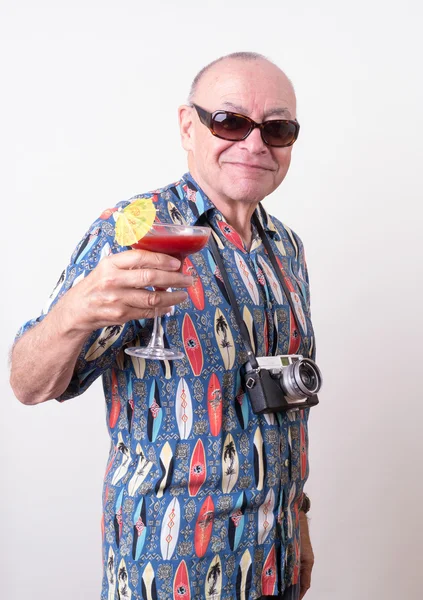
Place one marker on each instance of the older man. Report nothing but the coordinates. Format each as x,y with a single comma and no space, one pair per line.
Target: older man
195,506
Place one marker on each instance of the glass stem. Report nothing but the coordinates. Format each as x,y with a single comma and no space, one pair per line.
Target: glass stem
156,340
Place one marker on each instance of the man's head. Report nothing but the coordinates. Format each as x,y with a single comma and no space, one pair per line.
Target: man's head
242,171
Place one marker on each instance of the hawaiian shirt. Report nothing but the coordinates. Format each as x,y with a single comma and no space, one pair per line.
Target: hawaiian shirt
201,496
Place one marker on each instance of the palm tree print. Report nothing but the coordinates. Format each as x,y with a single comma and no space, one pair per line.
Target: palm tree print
212,578
176,215
229,454
222,327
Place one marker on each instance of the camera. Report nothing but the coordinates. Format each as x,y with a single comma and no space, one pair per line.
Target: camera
282,383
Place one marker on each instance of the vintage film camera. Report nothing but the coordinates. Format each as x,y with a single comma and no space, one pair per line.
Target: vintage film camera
282,383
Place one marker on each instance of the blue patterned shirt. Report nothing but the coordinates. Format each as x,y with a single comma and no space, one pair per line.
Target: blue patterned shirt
201,496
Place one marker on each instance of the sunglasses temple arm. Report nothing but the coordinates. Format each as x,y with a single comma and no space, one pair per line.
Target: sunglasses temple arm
205,117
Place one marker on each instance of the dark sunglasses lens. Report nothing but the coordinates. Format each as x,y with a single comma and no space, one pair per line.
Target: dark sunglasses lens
230,127
280,133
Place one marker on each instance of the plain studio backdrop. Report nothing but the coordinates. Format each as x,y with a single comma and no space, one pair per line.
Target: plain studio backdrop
89,93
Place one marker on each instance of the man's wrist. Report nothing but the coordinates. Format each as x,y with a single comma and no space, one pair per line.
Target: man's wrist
65,323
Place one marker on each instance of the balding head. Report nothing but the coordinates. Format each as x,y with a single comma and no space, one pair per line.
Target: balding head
246,57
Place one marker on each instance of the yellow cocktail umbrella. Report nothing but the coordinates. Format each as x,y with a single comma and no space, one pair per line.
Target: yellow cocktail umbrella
134,221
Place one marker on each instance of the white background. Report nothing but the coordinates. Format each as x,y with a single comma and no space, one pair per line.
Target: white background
89,92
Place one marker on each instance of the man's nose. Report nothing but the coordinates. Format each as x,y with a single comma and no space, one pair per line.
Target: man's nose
254,142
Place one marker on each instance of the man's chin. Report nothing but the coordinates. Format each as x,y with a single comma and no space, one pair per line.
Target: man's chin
247,190
248,198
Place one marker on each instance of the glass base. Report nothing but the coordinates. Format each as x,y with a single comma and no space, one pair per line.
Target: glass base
155,353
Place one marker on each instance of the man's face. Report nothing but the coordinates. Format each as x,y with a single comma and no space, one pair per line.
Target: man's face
248,170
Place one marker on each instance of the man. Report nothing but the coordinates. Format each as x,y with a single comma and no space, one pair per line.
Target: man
236,532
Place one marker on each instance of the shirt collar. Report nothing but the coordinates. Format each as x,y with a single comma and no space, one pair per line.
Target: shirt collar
197,203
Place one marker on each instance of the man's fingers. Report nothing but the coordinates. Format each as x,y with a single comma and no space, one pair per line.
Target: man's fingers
305,579
148,277
151,313
303,590
137,304
146,300
137,259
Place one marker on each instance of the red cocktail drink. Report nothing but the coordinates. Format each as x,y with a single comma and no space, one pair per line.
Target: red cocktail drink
179,246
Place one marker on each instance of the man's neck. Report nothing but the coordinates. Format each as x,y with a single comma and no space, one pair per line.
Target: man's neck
237,214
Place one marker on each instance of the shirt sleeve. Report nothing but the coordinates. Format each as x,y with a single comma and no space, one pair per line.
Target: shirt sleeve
303,271
302,274
101,348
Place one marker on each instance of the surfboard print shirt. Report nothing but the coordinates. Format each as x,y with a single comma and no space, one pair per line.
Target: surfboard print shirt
201,496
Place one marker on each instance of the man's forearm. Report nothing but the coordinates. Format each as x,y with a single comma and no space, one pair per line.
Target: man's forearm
44,358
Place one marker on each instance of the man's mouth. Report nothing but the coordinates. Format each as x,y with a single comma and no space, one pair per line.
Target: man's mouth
251,166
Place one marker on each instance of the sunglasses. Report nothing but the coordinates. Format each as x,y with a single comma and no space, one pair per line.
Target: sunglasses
234,127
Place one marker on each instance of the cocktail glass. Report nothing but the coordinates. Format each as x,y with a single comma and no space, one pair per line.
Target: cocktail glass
178,241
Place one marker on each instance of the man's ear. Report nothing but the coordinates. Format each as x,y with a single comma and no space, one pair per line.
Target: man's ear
186,126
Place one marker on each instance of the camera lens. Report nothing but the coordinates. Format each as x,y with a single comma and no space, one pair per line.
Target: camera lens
308,376
301,379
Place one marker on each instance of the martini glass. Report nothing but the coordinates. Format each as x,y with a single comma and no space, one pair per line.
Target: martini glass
178,241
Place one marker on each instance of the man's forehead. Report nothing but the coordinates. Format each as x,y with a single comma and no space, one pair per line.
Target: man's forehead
278,110
245,86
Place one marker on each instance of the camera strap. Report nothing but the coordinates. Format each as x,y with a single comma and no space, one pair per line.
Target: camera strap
232,300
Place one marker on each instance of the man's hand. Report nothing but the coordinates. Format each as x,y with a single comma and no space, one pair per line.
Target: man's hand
114,292
307,556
